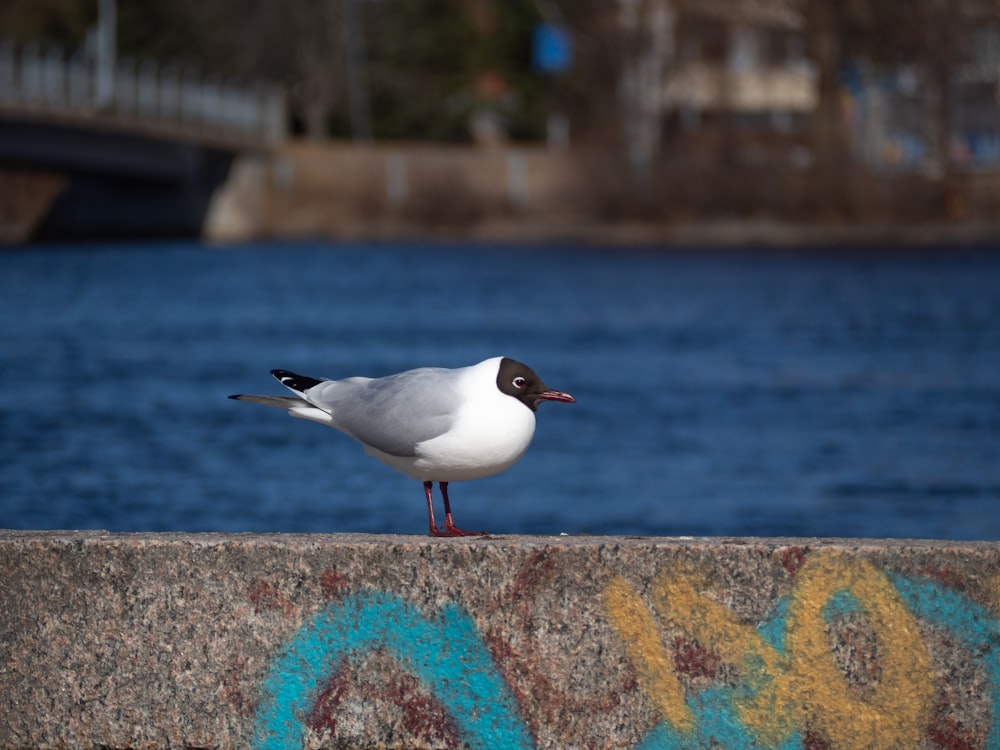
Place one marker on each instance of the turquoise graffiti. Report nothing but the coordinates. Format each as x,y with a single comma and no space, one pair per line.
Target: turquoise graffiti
444,651
974,625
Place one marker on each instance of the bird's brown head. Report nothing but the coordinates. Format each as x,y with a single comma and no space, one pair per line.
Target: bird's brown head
519,381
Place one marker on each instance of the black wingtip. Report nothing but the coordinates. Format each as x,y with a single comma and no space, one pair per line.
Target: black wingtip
294,381
236,396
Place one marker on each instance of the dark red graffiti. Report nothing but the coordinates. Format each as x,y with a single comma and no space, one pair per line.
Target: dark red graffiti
813,741
526,668
263,595
322,716
333,584
950,578
233,691
792,559
694,661
423,717
948,734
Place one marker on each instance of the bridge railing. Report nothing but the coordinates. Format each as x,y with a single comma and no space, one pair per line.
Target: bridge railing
141,94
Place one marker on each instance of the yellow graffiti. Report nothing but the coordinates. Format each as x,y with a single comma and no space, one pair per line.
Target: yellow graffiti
802,689
771,714
897,712
637,629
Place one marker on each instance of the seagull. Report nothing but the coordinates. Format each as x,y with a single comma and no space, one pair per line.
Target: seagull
432,423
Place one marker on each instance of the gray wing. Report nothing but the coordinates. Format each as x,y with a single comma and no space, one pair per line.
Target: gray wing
392,414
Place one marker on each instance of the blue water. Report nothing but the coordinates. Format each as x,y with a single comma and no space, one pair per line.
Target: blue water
736,393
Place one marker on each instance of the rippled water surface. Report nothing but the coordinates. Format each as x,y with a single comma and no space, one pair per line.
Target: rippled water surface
722,393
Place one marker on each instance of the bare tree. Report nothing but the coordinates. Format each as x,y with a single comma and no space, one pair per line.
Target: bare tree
648,31
297,44
824,25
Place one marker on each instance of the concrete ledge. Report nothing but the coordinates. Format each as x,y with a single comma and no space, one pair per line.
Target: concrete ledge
237,641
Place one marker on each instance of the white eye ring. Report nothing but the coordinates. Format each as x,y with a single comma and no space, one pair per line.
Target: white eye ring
519,382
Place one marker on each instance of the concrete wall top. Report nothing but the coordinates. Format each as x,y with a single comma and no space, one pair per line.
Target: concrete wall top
292,641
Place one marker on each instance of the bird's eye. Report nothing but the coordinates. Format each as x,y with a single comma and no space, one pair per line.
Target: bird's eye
519,382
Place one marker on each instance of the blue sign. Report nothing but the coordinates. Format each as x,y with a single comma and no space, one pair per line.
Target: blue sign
552,48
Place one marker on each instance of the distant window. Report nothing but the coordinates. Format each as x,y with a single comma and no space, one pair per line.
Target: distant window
704,39
986,45
795,50
744,49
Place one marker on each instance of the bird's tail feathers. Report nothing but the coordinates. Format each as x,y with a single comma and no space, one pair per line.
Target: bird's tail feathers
295,406
281,402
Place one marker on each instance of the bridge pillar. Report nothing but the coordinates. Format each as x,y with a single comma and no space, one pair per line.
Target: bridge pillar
117,185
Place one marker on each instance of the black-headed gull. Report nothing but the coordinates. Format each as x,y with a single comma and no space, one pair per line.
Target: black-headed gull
434,424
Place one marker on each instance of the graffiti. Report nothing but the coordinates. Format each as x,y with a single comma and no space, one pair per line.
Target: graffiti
974,625
444,652
792,692
843,661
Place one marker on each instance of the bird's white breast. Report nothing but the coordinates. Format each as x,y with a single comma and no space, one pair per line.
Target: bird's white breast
491,432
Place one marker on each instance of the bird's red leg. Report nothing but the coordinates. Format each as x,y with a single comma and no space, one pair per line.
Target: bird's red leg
429,492
450,529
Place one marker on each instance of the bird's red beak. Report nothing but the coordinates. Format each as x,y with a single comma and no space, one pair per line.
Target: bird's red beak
557,396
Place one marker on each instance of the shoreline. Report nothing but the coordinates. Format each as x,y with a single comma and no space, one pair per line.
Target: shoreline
401,192
723,235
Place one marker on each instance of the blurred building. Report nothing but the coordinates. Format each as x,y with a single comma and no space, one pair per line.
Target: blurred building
746,60
738,74
890,108
725,78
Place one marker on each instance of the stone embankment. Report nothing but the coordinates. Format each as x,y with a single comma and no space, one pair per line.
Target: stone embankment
257,641
534,194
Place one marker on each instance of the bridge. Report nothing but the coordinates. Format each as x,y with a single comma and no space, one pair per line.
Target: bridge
91,151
